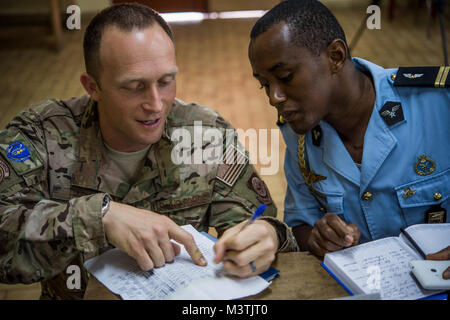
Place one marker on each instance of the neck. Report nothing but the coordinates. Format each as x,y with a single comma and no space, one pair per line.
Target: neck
354,107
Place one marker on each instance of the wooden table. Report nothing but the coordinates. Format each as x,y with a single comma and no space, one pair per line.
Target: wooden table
301,278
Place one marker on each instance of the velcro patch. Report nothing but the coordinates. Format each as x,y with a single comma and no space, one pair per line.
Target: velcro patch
260,188
232,164
19,152
4,171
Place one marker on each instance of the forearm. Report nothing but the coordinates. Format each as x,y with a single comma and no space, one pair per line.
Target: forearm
39,242
301,234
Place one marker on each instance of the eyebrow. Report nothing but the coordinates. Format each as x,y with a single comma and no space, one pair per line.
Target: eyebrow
273,68
276,66
129,80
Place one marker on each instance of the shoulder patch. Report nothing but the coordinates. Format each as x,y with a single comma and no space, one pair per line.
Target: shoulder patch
232,164
4,171
259,187
19,152
422,77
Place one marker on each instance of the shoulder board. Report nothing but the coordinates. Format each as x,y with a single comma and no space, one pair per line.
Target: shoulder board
422,77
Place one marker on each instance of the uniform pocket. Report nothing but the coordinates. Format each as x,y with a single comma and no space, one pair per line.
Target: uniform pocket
416,197
331,201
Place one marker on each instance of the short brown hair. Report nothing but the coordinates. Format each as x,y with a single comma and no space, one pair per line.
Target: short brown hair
126,17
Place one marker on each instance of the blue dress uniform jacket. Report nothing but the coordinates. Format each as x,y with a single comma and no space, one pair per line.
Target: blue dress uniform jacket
405,166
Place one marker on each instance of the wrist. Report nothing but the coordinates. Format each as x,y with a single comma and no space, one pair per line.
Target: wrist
105,204
277,233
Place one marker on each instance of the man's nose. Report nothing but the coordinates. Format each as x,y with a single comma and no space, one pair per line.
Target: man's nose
276,96
153,100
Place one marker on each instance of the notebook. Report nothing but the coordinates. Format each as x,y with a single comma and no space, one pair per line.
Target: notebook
383,265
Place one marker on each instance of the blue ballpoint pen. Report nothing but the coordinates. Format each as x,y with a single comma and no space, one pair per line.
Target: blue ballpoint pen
258,212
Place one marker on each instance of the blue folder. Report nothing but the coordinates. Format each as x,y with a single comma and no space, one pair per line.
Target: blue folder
439,296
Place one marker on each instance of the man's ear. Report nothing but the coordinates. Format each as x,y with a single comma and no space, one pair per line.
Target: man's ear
90,85
337,55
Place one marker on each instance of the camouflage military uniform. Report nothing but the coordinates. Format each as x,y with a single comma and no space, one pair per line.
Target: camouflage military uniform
54,175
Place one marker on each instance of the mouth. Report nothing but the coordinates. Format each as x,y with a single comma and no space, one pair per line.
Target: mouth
150,123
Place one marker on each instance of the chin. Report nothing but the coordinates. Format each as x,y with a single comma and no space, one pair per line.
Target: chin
152,139
299,129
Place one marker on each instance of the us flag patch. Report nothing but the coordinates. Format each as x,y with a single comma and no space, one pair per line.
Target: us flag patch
232,164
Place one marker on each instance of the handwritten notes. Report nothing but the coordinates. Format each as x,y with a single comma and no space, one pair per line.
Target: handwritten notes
381,265
181,279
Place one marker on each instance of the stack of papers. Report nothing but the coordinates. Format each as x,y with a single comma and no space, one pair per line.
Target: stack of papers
181,280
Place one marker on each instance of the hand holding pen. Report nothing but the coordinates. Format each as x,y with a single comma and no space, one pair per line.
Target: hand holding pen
248,248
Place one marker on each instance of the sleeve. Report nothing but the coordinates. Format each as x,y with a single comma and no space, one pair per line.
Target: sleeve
300,207
238,191
39,237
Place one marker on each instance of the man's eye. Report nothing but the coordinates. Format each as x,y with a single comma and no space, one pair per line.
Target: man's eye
286,78
135,87
166,81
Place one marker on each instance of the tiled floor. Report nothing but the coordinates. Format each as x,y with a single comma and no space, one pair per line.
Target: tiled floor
214,71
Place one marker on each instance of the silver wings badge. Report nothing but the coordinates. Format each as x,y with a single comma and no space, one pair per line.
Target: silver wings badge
412,75
391,113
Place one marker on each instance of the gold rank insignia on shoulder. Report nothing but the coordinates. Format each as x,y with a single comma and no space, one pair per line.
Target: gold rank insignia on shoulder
422,77
424,165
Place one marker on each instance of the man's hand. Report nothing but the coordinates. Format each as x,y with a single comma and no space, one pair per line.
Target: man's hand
257,243
444,254
330,234
145,236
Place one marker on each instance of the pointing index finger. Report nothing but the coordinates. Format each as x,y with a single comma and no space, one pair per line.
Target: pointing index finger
186,239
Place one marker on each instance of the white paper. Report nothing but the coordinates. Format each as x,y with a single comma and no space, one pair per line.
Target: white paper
181,279
390,257
431,238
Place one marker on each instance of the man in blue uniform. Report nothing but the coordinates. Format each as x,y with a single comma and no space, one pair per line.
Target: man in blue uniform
367,147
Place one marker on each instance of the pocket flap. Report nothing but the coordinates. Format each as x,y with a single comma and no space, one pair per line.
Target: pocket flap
426,191
332,201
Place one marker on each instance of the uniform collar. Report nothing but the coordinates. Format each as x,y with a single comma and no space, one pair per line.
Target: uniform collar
378,140
382,81
89,159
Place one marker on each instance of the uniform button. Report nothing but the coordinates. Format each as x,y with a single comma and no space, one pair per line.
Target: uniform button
437,196
367,196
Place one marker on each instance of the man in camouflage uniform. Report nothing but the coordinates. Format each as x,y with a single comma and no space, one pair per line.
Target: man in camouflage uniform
80,176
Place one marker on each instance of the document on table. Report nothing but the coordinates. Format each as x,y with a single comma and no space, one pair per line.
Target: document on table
181,279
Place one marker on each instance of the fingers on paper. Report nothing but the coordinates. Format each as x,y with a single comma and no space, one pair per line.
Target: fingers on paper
186,239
